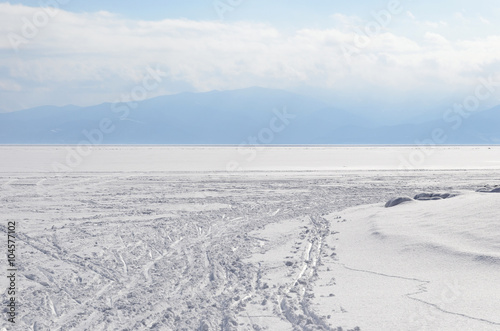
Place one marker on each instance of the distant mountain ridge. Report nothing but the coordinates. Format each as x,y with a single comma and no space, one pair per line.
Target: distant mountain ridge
246,116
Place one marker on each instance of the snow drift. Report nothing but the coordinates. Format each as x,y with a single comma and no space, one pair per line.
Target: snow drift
436,264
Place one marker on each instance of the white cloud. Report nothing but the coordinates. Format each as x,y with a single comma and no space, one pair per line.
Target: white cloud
461,17
410,15
90,58
345,21
431,24
9,85
484,20
436,39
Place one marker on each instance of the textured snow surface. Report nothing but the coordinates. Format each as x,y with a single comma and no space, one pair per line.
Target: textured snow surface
438,260
139,249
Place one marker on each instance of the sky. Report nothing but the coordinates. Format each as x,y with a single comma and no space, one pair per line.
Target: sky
387,57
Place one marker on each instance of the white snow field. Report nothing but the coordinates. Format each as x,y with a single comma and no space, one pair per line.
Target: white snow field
165,238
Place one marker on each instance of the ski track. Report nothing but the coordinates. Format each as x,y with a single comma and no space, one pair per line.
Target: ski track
107,252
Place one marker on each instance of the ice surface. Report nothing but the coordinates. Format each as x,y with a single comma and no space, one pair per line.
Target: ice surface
250,158
158,238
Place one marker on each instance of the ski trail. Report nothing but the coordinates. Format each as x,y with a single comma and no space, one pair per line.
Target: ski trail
52,307
149,265
125,267
40,188
307,252
6,187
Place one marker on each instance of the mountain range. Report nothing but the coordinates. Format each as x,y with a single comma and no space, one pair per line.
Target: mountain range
247,116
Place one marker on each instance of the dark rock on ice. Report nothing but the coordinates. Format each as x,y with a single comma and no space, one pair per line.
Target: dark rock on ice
434,196
489,189
397,201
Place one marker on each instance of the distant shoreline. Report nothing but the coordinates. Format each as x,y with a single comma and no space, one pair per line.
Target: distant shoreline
259,145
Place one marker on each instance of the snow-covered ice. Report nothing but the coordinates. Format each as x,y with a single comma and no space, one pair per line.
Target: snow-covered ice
157,238
246,157
437,260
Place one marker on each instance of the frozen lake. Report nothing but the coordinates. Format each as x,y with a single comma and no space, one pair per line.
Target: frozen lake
291,238
234,158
